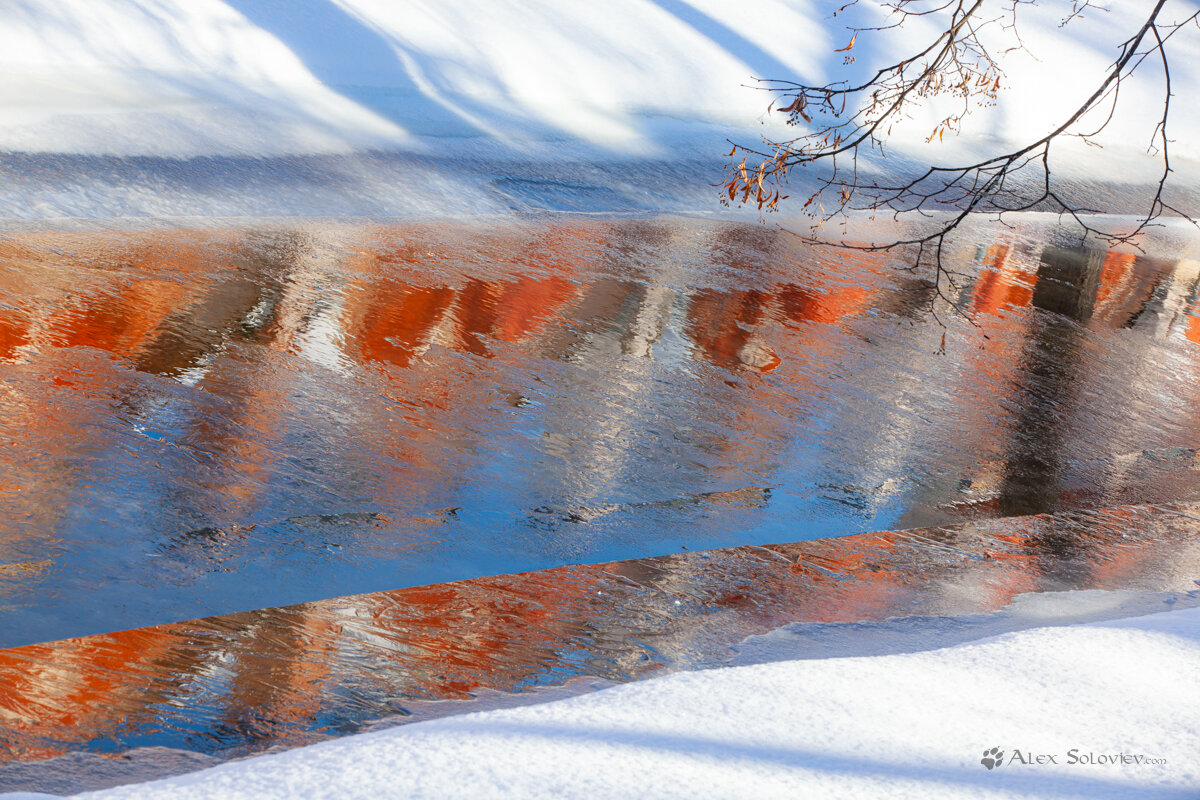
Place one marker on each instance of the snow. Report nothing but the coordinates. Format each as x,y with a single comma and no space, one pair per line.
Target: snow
318,108
126,77
903,725
184,78
268,77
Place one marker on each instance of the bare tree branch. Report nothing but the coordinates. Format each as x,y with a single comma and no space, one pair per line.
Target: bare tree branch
845,122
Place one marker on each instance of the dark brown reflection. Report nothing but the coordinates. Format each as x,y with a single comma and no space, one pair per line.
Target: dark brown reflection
1066,288
1055,364
288,675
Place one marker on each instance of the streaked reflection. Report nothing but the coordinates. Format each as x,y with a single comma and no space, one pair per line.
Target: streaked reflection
197,422
284,676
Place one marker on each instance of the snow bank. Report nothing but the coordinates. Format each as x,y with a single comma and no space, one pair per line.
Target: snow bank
183,78
233,108
1107,700
137,77
269,77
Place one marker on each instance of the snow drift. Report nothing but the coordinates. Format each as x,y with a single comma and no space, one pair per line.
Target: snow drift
269,77
219,108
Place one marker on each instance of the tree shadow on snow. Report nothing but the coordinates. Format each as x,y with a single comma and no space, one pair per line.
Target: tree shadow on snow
355,60
1034,781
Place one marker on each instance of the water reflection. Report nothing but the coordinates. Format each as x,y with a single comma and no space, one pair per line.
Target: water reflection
285,676
1051,359
196,422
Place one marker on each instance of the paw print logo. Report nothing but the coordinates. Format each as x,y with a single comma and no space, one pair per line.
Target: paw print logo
992,758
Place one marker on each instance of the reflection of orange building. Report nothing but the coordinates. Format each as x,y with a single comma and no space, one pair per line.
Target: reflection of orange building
159,303
277,678
74,335
1127,284
1092,290
724,328
733,329
1005,282
391,314
83,687
790,330
435,355
282,676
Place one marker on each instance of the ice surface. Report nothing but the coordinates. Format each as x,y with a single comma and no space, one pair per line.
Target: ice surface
249,681
70,773
212,420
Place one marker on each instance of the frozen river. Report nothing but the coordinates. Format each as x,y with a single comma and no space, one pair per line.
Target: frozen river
203,421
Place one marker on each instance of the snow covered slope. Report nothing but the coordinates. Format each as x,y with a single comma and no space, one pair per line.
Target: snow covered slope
266,77
188,77
1114,703
201,107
